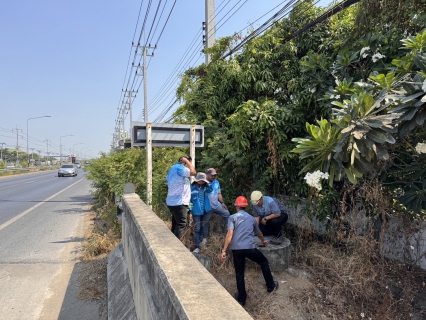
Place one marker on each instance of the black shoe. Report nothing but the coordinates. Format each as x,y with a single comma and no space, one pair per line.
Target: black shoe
236,295
276,285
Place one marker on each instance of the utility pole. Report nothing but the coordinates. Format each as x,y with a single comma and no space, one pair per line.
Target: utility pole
210,27
17,144
39,155
32,153
47,148
1,152
144,75
129,94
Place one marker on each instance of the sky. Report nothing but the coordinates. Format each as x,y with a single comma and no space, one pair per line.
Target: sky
69,60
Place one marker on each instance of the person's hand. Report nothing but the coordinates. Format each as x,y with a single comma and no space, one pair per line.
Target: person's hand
265,243
223,256
263,221
183,161
224,205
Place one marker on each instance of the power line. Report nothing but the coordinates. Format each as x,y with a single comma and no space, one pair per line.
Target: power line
280,14
158,22
130,53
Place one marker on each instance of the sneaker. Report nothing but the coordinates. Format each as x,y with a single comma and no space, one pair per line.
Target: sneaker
236,298
204,242
196,250
276,285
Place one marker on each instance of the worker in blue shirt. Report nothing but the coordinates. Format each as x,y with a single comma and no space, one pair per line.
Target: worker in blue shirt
179,193
199,206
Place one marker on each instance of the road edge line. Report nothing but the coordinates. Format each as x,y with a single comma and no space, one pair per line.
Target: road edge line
4,225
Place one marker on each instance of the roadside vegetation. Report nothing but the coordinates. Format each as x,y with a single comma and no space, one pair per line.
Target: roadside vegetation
347,99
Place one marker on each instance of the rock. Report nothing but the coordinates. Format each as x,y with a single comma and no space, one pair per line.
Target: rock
298,273
205,260
419,301
396,291
318,293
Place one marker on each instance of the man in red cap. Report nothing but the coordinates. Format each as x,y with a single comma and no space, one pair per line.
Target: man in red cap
217,204
241,227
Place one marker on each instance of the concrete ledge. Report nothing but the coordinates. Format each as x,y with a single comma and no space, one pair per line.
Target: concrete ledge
167,281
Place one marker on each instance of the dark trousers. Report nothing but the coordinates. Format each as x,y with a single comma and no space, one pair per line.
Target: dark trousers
179,216
240,263
273,226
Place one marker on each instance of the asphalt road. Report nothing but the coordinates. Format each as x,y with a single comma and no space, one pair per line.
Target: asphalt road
43,219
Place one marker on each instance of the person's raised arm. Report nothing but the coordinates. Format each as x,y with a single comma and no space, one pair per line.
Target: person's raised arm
189,165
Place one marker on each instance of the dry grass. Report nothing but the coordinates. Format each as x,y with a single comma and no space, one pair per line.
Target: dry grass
349,277
100,241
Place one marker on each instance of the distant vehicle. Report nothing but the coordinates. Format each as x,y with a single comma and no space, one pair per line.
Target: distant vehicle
78,164
87,163
67,170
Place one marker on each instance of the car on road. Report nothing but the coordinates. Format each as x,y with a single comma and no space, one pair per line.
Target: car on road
68,170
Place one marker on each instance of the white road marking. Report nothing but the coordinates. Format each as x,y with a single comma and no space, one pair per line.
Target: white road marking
4,225
29,182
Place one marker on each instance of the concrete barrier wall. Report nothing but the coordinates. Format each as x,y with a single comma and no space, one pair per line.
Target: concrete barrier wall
166,280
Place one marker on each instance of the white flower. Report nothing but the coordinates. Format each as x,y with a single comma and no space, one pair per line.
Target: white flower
412,248
314,179
362,315
421,148
337,97
362,52
424,86
377,56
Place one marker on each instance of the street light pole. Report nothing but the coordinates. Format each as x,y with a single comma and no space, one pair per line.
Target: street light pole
28,154
73,148
81,153
60,146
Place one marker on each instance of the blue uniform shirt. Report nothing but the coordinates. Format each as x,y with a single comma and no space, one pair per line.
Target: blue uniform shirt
213,194
244,227
270,205
179,192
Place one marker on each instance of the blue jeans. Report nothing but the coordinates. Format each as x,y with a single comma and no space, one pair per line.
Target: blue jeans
205,220
198,229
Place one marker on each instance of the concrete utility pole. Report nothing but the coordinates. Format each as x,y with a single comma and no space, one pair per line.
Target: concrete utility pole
39,155
32,153
17,144
210,27
130,94
1,152
47,148
145,76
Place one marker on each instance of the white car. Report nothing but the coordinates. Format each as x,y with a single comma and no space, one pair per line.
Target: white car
67,170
